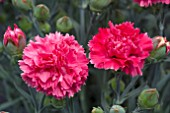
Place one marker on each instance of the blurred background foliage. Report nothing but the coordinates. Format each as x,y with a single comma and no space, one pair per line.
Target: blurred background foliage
83,23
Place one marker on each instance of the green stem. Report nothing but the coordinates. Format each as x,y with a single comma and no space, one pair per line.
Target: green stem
82,24
33,99
83,100
130,86
118,78
161,23
6,55
40,104
92,20
43,108
69,105
54,6
72,105
104,78
137,110
36,24
103,89
33,19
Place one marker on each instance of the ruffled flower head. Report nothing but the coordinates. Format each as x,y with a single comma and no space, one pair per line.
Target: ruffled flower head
120,47
55,65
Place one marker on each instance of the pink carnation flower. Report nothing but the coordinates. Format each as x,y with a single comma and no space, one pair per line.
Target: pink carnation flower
120,47
146,3
56,65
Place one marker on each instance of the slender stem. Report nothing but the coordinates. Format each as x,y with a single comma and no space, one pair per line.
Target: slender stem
41,101
69,106
33,99
26,106
83,100
6,88
92,19
70,8
82,24
130,86
36,24
34,19
137,110
118,77
161,23
43,108
103,87
6,55
72,105
104,78
54,12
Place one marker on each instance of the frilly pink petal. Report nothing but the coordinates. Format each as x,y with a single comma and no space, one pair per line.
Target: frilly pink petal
120,47
55,65
146,3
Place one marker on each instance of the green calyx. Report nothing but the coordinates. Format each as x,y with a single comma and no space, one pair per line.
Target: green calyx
64,24
45,27
117,109
97,110
113,84
99,5
158,53
41,12
23,4
25,23
58,104
148,98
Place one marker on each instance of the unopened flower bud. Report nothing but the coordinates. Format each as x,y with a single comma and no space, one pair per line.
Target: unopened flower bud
113,84
42,12
98,5
97,110
161,47
16,37
44,27
64,24
23,4
117,109
148,98
24,23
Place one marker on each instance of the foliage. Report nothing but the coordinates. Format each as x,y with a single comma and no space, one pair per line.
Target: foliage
17,97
